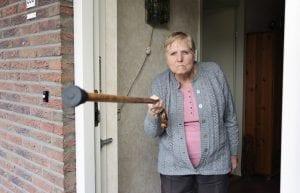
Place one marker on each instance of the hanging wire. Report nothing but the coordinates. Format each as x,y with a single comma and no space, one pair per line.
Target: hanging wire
139,72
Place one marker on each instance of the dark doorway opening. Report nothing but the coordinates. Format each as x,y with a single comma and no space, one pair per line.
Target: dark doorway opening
263,63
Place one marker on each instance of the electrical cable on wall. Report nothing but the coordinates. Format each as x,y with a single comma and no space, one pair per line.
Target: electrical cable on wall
148,51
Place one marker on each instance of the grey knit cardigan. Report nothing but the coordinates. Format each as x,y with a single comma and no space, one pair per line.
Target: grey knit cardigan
218,122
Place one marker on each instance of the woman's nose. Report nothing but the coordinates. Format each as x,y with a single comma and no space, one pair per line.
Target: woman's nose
179,57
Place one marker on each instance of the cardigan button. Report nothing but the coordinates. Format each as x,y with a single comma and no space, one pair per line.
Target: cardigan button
203,121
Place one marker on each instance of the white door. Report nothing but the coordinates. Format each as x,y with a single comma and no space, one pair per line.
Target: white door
105,81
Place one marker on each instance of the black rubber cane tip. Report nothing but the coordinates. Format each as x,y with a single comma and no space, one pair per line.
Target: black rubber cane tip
73,96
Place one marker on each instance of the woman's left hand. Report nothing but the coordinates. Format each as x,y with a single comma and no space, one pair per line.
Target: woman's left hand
156,108
234,163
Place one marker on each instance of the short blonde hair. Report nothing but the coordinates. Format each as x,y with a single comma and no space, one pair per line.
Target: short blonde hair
180,36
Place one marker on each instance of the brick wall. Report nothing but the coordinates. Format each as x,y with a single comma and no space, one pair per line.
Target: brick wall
37,140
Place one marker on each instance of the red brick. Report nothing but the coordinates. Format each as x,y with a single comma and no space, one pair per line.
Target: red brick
20,42
49,25
10,54
48,12
14,139
70,167
54,179
32,145
30,99
4,3
9,185
40,136
46,2
67,10
22,87
40,113
55,64
28,29
70,155
13,76
54,104
4,22
2,75
48,51
50,127
10,32
38,64
18,65
38,170
18,20
14,1
67,50
57,167
54,91
21,7
42,184
45,39
53,154
5,44
51,77
11,97
29,77
3,134
69,141
28,53
9,10
4,65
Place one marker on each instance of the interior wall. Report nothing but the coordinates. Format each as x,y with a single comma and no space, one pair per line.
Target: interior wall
138,153
262,15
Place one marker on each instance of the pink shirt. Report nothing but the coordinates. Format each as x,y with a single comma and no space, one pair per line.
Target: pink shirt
191,126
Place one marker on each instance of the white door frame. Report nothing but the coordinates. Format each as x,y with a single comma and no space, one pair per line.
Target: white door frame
84,60
290,152
84,114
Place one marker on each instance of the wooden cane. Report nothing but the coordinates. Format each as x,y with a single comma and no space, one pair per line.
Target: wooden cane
74,96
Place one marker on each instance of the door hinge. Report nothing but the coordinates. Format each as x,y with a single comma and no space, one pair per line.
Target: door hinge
97,113
104,142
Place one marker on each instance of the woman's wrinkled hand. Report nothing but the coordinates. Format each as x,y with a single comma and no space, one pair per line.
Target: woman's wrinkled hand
234,163
156,108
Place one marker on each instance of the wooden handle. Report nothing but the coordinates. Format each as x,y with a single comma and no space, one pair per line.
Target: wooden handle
99,97
74,96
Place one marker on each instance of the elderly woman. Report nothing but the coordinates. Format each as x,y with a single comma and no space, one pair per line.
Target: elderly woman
198,149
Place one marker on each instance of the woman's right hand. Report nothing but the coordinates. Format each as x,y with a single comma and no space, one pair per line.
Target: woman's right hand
156,108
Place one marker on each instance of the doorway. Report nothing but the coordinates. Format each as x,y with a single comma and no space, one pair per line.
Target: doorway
262,23
263,87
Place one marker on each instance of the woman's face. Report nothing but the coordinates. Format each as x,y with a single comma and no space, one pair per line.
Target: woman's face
180,58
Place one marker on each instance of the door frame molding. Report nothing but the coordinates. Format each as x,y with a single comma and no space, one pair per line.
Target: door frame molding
84,60
289,176
84,77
